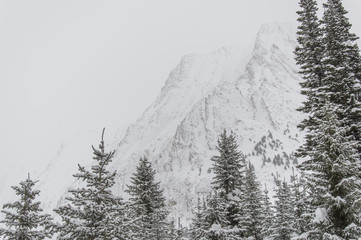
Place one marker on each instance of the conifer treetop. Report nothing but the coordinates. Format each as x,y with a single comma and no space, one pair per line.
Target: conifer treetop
24,218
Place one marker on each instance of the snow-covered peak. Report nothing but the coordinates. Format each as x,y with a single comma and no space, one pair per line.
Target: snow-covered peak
195,77
253,92
275,37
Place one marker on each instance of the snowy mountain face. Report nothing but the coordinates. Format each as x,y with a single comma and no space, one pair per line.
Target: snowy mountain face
255,94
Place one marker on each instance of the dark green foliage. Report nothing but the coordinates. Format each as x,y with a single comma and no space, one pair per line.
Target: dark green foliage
147,205
227,167
252,217
219,218
342,66
299,198
309,54
211,221
267,215
333,142
283,224
23,218
332,176
93,212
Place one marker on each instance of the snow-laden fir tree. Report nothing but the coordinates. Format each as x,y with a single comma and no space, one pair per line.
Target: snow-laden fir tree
24,219
267,214
147,205
252,217
308,55
228,170
219,219
228,166
93,212
332,176
284,219
211,222
342,68
309,51
299,198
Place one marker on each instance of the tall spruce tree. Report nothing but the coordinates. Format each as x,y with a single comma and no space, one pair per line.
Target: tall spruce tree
342,66
228,166
92,212
268,215
252,217
309,54
147,204
23,218
220,218
333,147
283,224
332,175
228,170
299,198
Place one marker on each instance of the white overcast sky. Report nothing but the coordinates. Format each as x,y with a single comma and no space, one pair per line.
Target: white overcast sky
67,66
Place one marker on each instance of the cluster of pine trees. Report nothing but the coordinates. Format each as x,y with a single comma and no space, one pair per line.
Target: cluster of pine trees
93,212
237,207
330,64
325,204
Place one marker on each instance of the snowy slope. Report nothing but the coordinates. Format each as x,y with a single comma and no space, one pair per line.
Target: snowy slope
203,95
254,93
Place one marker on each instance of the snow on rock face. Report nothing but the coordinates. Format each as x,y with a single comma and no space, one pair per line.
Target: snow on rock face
204,94
253,93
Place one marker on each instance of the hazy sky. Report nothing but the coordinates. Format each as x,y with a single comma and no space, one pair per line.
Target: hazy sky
67,66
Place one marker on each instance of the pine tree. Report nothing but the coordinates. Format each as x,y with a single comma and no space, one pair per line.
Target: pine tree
23,218
342,66
197,222
228,168
309,54
333,142
212,223
332,174
92,212
251,219
268,215
283,225
299,198
147,204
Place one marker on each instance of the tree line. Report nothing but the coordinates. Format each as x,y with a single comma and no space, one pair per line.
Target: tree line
93,212
322,202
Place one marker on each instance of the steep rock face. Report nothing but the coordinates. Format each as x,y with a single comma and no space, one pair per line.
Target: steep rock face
203,95
253,93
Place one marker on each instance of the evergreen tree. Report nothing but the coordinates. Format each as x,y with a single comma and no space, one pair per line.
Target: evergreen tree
309,54
333,142
268,215
92,212
228,179
228,166
342,66
283,225
299,199
147,204
250,222
197,222
332,174
23,218
211,223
